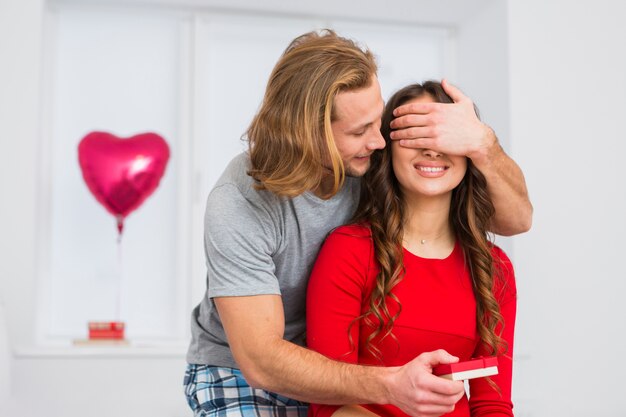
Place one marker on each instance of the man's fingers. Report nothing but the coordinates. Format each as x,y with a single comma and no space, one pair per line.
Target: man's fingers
415,108
434,409
410,120
435,384
420,132
422,143
437,357
427,394
444,389
438,395
455,94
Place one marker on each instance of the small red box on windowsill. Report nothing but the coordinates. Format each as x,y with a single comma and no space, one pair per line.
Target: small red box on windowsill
106,330
474,368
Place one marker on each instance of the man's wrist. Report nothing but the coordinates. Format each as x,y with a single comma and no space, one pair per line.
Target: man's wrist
375,384
488,148
387,377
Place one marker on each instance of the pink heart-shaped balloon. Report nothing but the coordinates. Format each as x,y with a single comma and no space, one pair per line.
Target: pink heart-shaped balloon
122,172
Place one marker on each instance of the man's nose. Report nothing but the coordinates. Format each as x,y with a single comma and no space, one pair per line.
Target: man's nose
377,141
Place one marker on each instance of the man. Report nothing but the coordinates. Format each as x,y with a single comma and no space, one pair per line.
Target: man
270,211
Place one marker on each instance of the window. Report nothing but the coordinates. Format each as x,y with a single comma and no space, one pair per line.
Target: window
120,73
196,79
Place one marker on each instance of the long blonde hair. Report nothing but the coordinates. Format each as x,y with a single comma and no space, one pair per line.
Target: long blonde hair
290,138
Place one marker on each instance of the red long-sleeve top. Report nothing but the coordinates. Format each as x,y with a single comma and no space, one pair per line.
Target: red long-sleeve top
438,311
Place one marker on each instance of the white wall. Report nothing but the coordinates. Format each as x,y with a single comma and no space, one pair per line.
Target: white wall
483,67
20,32
20,58
137,386
483,73
568,68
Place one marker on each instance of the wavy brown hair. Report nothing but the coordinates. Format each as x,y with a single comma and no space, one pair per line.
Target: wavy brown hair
290,138
382,208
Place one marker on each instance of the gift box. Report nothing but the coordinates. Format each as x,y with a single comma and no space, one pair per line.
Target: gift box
475,368
110,330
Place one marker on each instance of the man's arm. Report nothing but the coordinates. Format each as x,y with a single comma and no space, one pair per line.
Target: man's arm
506,186
255,325
455,129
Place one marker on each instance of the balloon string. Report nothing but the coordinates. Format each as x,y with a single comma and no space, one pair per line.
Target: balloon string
120,227
118,285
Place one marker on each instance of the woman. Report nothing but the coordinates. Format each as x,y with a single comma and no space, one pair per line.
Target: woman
415,272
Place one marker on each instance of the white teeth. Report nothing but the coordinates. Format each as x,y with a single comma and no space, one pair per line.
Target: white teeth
431,169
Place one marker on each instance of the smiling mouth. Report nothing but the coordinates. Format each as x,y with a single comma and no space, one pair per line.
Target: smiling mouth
431,169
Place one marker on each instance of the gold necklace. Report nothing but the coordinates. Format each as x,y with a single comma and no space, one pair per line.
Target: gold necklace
425,241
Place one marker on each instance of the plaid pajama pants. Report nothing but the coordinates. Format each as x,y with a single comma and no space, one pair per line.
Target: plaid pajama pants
223,392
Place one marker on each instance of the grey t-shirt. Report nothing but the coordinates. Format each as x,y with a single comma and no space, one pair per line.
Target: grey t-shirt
258,243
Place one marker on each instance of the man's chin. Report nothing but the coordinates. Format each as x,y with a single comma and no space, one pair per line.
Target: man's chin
356,172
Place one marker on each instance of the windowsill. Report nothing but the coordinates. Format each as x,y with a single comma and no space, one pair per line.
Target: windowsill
139,349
